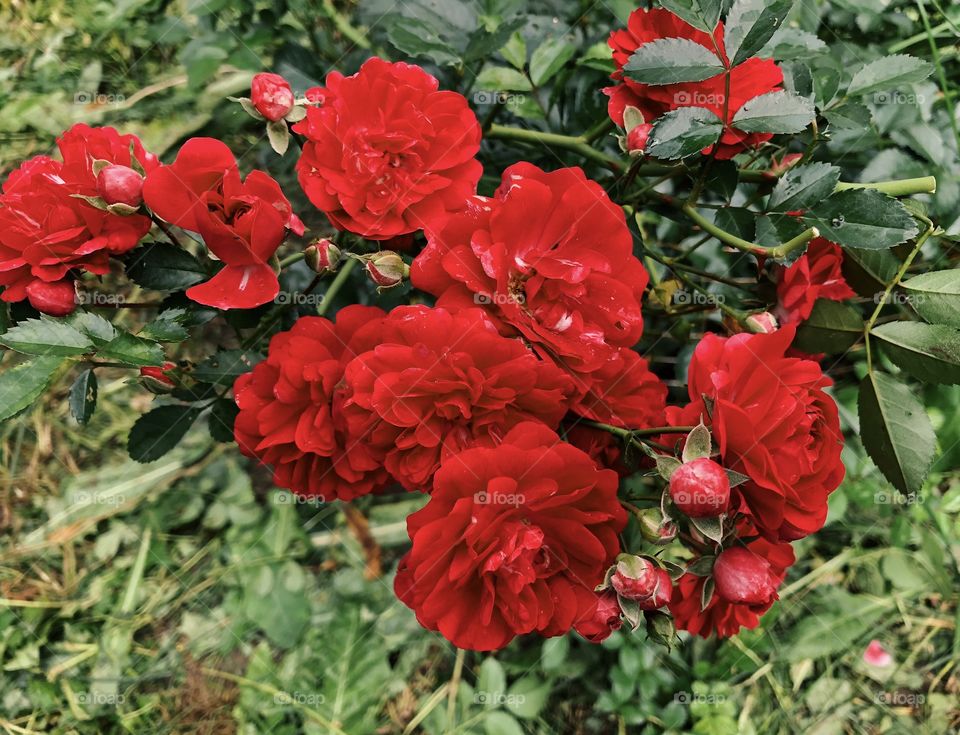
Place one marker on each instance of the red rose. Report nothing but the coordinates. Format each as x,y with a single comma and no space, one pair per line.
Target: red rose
604,618
47,230
723,616
817,274
513,540
242,222
773,422
387,153
550,258
750,79
290,414
602,447
622,392
439,383
271,96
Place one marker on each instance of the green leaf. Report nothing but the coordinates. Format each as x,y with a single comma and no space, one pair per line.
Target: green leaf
46,337
711,528
226,366
515,51
22,384
163,267
890,71
701,14
502,79
929,352
157,432
167,327
936,296
416,38
862,218
672,60
132,350
83,396
279,135
804,186
866,270
774,112
549,58
750,24
832,327
500,723
222,416
683,132
98,329
697,445
896,431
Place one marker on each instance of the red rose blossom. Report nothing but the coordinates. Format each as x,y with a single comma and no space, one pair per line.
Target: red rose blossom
622,392
439,383
722,616
750,79
603,447
242,222
604,618
513,540
817,274
46,229
271,96
773,422
550,258
289,404
387,153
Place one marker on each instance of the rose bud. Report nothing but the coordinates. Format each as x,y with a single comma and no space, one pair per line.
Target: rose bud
661,594
635,577
56,299
156,378
700,488
778,168
876,654
743,577
271,96
603,620
387,269
654,529
323,256
637,138
120,185
762,323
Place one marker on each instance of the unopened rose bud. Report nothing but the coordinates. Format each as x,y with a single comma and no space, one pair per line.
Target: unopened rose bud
387,269
120,185
637,138
700,488
603,620
743,577
643,581
661,628
323,256
762,323
271,96
56,299
157,379
655,529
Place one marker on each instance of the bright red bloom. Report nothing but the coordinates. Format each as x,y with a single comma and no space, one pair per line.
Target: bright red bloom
242,222
817,274
604,618
47,230
271,95
602,446
439,383
722,616
513,540
290,414
550,258
773,422
622,392
750,79
387,153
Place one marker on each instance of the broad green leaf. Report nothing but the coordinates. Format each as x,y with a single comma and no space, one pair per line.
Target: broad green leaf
890,71
22,384
167,327
738,221
157,432
929,352
502,79
222,416
45,336
869,270
774,112
936,296
683,132
416,38
549,58
483,43
803,187
226,366
279,136
750,24
83,396
132,350
498,722
98,329
862,218
164,267
792,43
515,51
672,60
702,14
832,327
896,431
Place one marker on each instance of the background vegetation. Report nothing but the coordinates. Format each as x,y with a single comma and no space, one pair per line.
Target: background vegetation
188,596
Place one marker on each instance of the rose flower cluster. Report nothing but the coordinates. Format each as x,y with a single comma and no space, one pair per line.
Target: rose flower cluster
507,397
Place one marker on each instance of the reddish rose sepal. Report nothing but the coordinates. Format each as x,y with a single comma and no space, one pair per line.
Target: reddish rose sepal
242,222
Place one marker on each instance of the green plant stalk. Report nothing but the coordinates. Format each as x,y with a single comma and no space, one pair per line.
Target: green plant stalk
780,251
636,433
897,188
941,75
344,273
555,140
